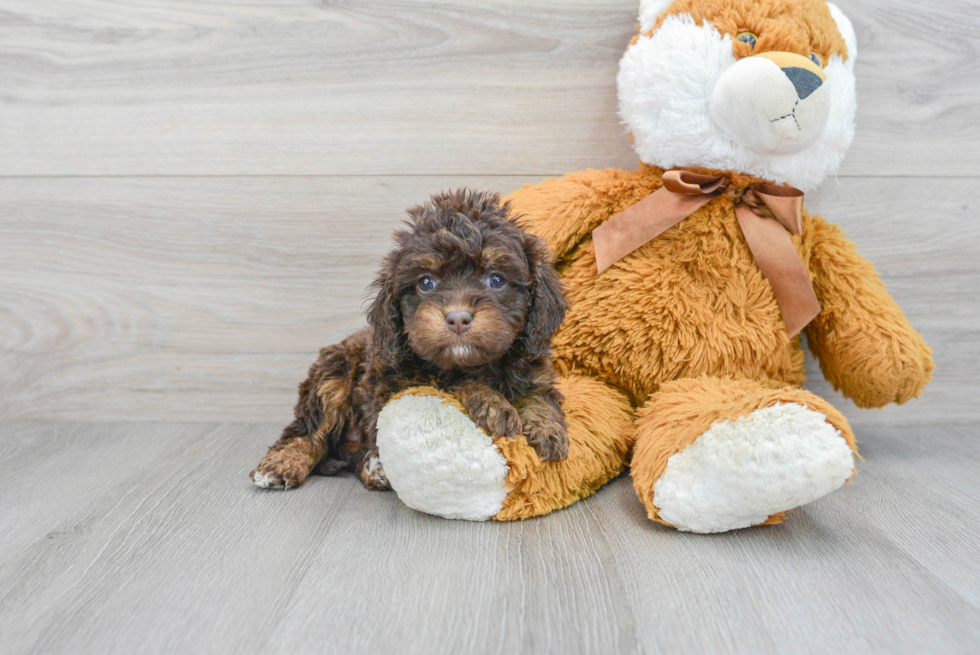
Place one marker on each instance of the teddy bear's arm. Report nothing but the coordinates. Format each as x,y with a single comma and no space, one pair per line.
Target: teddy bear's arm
563,211
865,345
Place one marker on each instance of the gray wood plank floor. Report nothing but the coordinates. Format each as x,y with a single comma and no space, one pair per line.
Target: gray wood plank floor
143,537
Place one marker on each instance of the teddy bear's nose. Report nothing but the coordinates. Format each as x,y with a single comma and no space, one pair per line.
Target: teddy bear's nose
774,102
805,82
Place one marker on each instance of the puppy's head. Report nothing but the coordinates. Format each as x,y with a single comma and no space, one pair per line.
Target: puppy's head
465,285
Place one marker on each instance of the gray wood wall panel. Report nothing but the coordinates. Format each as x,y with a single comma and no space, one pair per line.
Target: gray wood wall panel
203,296
510,87
207,298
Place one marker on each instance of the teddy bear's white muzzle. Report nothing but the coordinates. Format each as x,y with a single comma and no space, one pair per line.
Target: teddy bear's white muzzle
774,103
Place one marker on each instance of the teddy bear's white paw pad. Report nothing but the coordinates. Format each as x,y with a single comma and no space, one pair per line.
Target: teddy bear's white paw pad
739,472
438,461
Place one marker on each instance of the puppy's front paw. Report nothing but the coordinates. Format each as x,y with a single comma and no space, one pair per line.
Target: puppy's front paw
281,469
494,414
550,441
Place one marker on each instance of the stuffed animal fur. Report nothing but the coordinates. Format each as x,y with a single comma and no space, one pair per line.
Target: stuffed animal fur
676,357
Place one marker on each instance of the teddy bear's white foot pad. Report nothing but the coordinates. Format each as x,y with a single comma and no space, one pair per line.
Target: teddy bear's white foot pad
740,472
438,461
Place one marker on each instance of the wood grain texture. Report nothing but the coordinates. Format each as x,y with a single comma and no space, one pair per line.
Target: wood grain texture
207,298
177,552
156,294
193,198
169,87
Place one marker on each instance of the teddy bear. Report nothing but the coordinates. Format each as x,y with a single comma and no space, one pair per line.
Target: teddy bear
690,281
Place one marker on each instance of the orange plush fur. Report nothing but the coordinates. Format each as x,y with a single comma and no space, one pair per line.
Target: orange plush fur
799,26
684,333
600,436
688,312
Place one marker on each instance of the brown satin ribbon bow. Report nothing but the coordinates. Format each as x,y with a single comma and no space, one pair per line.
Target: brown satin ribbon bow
767,214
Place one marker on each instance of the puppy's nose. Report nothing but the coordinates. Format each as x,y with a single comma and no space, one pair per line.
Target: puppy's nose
805,82
459,321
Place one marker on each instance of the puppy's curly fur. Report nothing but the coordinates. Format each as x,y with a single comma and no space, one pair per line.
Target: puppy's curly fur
466,302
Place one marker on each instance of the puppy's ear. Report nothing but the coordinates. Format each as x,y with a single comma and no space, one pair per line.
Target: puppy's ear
384,314
548,304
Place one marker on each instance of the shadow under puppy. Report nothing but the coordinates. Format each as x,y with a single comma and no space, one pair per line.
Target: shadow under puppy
467,302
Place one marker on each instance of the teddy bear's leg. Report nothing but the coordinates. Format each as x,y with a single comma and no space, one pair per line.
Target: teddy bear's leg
713,455
600,434
440,462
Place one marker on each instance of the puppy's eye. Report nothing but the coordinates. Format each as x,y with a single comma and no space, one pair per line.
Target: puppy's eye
747,37
494,281
426,284
816,59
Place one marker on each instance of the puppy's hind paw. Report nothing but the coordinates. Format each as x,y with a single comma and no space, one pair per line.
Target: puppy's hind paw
281,469
372,475
267,480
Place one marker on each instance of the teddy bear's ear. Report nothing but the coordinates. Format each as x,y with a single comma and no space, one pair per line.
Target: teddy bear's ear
846,30
650,11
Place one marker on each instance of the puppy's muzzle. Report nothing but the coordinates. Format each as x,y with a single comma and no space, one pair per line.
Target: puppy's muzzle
773,103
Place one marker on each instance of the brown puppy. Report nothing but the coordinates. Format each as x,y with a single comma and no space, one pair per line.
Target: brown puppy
466,302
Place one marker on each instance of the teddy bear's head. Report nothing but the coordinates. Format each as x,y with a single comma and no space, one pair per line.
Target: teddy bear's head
762,87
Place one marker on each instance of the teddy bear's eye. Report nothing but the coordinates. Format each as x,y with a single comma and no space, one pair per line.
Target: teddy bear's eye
816,59
747,37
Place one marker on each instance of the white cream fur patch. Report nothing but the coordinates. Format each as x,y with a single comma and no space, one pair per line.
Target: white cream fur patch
665,82
438,461
739,472
650,11
266,481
